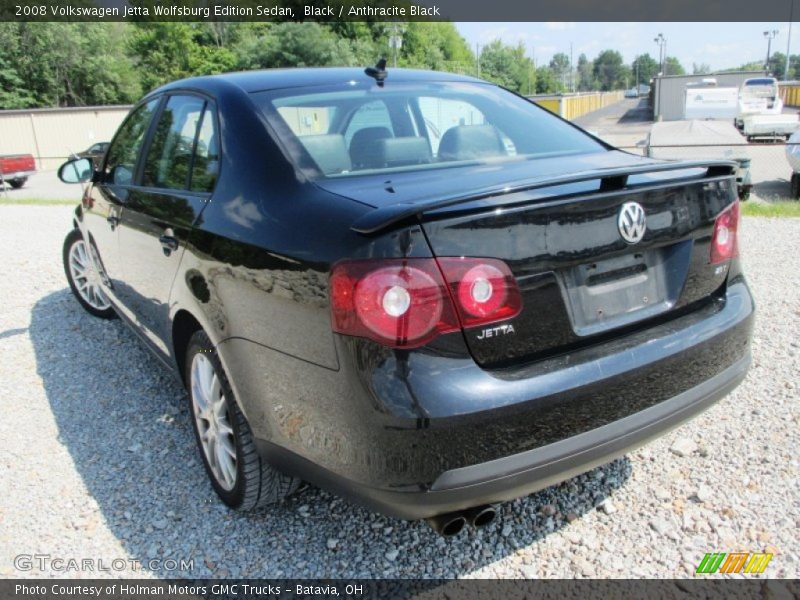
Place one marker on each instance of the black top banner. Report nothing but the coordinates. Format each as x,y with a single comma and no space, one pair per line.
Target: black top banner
397,10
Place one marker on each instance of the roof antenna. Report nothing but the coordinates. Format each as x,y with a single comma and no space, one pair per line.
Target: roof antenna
378,72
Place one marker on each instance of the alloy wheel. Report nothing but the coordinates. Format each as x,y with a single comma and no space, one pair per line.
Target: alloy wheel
212,415
86,277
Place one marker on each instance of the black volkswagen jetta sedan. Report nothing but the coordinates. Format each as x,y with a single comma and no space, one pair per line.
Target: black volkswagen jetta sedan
416,289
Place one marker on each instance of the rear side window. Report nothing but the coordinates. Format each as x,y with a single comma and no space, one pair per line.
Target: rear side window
169,158
206,157
124,151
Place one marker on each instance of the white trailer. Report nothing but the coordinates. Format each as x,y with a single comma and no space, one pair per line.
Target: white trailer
769,126
701,139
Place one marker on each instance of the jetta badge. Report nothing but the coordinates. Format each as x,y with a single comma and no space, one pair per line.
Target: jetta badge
632,222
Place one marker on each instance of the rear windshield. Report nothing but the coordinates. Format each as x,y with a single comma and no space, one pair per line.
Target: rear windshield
760,88
355,129
764,81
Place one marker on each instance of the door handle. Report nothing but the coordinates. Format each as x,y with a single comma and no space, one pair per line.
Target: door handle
168,243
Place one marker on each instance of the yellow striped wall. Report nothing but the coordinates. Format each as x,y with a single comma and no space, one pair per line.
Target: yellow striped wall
572,106
790,93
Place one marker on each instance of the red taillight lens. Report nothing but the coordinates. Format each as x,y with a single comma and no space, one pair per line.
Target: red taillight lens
399,303
405,303
724,240
484,289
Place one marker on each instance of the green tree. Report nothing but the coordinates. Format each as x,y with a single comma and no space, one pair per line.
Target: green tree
777,64
167,51
67,64
436,46
672,66
560,67
508,66
585,70
291,44
609,70
546,82
700,69
648,67
13,92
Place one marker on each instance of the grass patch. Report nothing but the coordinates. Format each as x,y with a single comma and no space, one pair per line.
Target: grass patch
783,208
37,201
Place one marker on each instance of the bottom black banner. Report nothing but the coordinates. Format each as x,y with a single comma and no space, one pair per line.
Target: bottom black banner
369,589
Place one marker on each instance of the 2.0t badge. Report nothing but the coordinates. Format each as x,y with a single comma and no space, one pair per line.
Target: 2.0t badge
632,222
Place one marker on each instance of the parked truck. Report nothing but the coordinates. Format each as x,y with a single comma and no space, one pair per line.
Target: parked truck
15,169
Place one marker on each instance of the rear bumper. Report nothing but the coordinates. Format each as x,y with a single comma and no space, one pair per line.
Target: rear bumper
417,434
522,474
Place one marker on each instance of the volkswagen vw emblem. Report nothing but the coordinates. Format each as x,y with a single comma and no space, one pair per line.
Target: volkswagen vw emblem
632,222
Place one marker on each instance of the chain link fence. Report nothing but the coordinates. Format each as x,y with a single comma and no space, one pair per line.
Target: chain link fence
765,172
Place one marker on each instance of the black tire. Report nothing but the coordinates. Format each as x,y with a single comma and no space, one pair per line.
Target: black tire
73,237
794,184
17,183
744,193
258,484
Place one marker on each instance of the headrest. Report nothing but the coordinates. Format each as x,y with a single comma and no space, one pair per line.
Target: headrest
468,142
328,151
361,147
402,151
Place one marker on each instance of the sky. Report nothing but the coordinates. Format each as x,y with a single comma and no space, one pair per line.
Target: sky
719,45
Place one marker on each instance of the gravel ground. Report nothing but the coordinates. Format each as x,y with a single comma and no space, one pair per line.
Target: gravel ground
97,459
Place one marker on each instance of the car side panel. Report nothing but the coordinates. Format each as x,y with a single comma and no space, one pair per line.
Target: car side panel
258,260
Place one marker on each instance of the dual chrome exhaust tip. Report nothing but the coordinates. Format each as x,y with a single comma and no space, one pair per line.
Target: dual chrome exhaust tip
451,524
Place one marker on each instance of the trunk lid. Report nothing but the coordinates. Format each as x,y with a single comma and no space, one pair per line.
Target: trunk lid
580,280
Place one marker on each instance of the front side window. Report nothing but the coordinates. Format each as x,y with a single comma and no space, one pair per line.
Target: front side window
169,158
124,151
341,131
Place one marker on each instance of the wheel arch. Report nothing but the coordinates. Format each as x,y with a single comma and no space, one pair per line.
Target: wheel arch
184,325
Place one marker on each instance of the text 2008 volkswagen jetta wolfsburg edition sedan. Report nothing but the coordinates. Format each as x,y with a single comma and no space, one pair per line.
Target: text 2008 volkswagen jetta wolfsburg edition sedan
416,289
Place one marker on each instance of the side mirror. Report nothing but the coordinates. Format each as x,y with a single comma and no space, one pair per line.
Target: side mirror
76,171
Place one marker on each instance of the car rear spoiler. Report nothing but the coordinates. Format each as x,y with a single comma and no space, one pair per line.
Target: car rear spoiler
610,179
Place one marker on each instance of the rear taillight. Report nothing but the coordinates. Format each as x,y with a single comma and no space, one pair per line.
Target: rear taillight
405,303
484,289
399,303
724,240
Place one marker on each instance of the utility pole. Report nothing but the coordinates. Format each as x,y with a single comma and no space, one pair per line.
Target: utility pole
571,71
662,52
396,42
770,35
789,41
478,58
